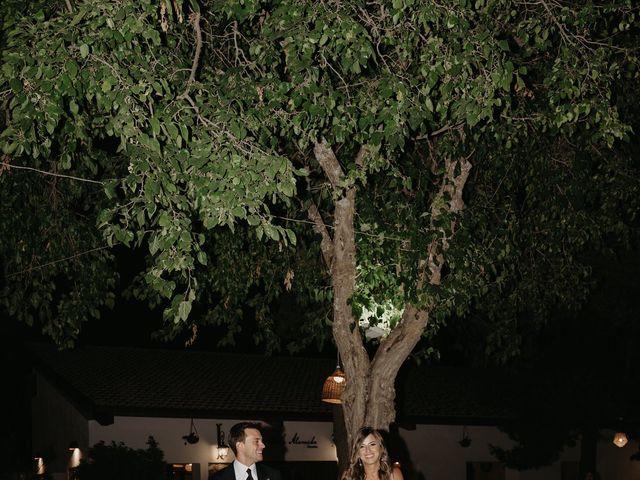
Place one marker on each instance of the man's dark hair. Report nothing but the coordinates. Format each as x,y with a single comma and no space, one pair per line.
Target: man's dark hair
237,434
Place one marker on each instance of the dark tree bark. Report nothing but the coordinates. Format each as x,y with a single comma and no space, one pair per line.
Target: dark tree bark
369,396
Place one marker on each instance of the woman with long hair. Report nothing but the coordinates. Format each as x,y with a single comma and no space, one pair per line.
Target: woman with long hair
370,459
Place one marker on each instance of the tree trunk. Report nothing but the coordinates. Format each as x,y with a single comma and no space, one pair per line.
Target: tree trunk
369,396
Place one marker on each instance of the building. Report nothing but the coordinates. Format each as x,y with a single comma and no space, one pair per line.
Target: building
448,418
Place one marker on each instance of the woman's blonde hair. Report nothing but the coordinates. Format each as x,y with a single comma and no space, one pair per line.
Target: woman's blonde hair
356,468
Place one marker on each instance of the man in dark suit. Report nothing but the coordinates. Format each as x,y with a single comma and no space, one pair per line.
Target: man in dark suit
245,440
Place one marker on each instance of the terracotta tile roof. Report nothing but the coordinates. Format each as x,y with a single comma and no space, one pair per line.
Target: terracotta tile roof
130,381
107,381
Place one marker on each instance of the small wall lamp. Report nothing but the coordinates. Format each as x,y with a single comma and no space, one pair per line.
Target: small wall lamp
75,454
223,448
620,439
39,464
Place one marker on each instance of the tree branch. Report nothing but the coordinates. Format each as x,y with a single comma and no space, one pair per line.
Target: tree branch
345,327
440,131
554,19
194,18
54,262
389,357
5,166
326,244
452,187
328,161
397,346
360,156
343,278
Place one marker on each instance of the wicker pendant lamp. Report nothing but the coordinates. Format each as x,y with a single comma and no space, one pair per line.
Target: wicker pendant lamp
334,385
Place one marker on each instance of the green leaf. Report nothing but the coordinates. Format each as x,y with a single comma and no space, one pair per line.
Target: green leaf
106,85
184,309
238,212
271,231
184,131
155,126
16,85
164,220
429,104
140,217
291,236
72,69
77,18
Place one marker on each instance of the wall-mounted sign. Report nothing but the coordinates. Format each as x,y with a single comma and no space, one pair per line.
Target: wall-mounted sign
309,442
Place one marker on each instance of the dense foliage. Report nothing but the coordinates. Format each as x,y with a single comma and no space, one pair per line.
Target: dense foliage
321,151
116,460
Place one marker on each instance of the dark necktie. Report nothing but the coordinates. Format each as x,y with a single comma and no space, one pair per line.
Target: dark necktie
249,476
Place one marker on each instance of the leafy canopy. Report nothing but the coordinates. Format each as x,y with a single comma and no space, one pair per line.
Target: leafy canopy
200,120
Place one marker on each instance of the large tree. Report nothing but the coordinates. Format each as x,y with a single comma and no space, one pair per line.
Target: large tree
324,150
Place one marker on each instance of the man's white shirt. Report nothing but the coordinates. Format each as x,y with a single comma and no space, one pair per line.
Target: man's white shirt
240,470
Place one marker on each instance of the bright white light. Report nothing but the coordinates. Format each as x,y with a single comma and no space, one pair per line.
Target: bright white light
76,456
223,451
390,316
39,465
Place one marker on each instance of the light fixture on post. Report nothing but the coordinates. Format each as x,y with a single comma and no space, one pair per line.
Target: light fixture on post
620,439
223,448
334,385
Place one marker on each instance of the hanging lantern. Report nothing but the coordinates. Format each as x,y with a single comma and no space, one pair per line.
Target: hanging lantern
620,439
334,386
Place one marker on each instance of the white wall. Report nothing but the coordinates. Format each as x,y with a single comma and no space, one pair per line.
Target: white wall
433,449
436,454
304,441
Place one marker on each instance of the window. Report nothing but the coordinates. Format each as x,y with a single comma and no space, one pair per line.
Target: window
180,471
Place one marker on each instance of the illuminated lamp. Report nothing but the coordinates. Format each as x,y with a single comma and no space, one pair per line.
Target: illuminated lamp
334,386
223,448
620,439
